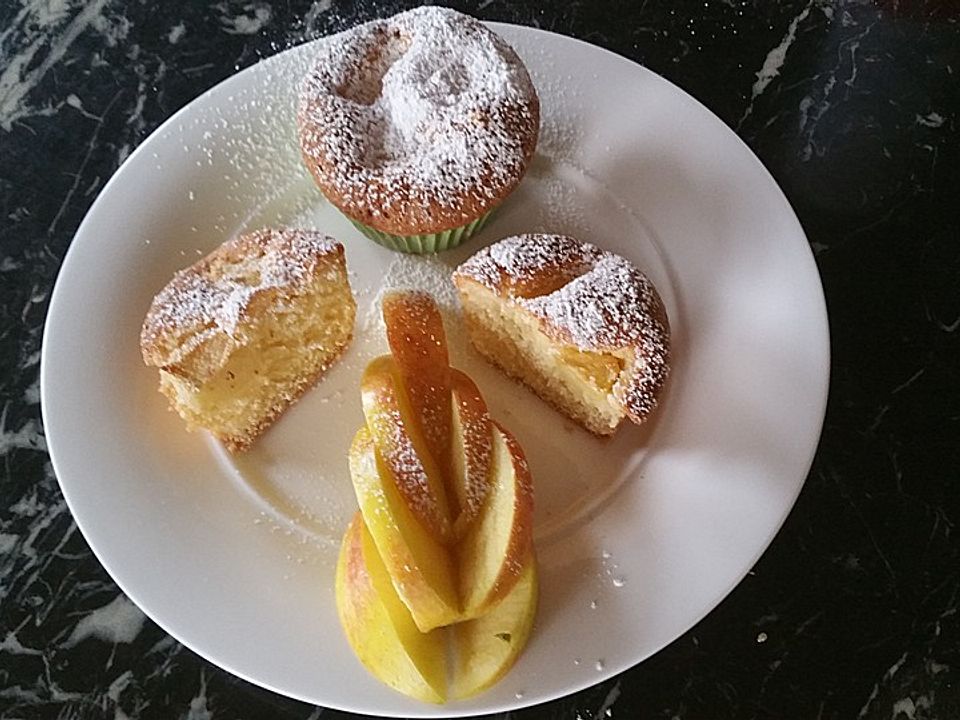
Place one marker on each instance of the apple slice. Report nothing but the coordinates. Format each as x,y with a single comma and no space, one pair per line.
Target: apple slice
402,447
378,625
486,648
491,555
419,345
471,454
419,565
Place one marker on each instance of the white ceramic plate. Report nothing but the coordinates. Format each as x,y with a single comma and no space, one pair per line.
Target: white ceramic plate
638,537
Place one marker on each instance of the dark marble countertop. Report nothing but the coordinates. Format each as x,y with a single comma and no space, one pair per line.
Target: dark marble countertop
852,105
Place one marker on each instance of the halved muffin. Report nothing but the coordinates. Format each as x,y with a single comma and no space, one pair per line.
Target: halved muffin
582,327
241,334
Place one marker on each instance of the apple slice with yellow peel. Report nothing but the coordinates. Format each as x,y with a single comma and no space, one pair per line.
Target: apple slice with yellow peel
403,448
378,625
491,555
471,451
419,565
486,648
419,345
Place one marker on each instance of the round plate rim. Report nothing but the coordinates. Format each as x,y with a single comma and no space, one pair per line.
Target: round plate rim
450,710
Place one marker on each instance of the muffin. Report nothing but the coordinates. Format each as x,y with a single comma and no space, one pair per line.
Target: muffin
582,327
418,126
241,334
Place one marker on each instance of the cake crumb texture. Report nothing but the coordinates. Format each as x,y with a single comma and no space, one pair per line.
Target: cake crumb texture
582,327
241,334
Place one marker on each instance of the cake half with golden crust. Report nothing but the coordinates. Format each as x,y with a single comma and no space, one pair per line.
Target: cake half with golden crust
582,327
242,333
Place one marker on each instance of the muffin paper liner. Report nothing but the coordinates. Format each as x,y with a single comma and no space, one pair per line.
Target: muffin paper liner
427,243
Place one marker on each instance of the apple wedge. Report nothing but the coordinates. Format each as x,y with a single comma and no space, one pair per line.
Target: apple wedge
471,451
486,648
491,555
403,448
378,625
418,342
418,564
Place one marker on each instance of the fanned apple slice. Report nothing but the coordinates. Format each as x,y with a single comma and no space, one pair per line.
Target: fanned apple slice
378,625
486,648
419,345
491,555
471,451
418,564
403,448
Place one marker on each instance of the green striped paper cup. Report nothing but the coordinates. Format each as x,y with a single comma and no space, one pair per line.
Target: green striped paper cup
424,244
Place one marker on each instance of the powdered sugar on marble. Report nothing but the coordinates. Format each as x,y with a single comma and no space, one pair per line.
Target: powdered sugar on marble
119,621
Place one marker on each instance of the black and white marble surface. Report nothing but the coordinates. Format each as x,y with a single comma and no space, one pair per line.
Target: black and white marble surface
852,105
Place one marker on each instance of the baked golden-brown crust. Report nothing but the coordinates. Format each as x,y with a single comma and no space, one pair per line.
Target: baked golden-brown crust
419,123
240,335
209,309
585,298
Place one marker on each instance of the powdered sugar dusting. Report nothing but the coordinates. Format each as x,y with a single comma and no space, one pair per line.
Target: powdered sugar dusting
587,297
428,109
392,439
212,296
427,274
604,307
476,441
610,306
558,204
522,259
401,456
